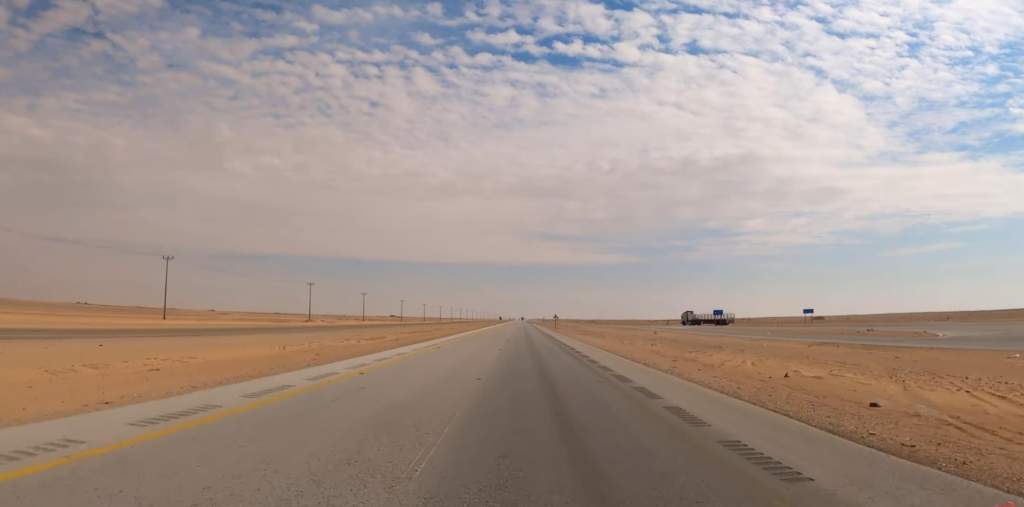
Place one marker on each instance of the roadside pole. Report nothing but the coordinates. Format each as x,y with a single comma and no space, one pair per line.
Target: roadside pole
309,310
167,267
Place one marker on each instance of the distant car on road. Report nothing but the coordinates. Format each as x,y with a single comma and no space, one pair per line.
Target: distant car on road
717,318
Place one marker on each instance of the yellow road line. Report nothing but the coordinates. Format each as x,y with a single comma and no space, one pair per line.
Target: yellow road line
202,421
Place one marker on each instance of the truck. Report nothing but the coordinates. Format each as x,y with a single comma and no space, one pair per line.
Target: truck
716,317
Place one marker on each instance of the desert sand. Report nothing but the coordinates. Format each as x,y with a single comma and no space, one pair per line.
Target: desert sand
55,377
893,318
961,411
22,314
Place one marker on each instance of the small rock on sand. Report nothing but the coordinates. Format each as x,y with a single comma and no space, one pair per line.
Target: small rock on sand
875,404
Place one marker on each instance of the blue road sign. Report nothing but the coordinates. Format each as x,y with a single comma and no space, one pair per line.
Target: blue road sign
719,313
808,311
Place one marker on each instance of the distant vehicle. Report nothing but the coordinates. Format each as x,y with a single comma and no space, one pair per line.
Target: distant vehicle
717,318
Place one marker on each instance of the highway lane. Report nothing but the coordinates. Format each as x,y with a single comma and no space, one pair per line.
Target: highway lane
503,416
549,428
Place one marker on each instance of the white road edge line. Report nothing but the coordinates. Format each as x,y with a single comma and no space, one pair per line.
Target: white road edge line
437,443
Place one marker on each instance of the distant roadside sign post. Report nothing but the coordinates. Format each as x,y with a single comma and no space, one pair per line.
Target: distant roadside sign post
808,311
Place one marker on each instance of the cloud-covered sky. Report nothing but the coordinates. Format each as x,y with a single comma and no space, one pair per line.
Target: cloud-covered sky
616,157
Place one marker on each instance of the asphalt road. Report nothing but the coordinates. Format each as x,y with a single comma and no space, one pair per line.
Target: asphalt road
954,335
508,415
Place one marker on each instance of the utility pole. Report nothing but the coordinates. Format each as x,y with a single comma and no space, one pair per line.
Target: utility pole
309,311
364,305
401,310
167,267
424,312
440,312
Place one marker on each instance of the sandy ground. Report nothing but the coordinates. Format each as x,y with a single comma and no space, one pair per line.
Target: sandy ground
49,378
961,411
852,321
21,314
892,318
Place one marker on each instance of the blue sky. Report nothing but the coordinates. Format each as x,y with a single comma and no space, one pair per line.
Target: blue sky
596,159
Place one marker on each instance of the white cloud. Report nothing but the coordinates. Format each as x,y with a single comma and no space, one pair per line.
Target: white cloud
340,16
425,39
359,15
305,26
627,52
780,134
925,249
591,17
577,47
115,8
424,82
63,15
509,37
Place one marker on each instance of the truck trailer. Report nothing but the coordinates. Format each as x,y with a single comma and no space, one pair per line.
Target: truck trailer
717,318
